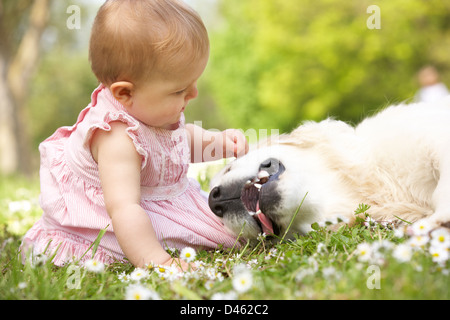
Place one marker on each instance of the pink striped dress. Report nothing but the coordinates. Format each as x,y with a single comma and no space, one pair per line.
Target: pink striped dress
72,200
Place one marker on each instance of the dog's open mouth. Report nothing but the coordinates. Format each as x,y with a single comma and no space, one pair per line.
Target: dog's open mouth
250,197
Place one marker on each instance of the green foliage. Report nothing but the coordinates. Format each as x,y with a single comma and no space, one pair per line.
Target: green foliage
61,89
275,63
272,63
63,81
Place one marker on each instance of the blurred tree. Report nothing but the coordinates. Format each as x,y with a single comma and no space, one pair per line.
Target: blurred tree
60,81
274,63
22,23
63,83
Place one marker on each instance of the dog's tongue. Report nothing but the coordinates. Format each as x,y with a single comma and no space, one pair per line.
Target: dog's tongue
267,227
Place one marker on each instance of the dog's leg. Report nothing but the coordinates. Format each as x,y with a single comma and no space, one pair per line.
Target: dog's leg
441,195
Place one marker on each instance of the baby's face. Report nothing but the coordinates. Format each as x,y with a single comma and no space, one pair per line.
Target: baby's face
160,102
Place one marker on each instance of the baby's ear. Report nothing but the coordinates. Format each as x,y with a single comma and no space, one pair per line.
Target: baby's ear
122,91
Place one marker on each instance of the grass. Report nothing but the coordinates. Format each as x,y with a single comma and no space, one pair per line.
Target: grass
359,262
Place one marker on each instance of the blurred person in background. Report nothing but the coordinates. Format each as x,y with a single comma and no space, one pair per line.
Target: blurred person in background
432,89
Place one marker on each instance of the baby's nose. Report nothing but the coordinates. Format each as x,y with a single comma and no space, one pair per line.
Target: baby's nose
193,93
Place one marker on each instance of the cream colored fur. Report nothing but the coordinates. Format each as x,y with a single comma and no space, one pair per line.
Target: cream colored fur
397,161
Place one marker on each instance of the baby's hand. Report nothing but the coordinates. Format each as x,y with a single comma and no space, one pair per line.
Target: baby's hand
180,264
235,143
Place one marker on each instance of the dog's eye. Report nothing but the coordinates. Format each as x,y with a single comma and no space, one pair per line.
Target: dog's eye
271,165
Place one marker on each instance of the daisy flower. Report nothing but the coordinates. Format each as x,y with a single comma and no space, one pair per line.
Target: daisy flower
94,266
139,292
172,273
149,267
440,237
421,227
123,277
242,278
209,284
402,253
364,251
188,254
162,271
271,254
211,273
418,241
439,254
199,265
138,274
252,263
242,281
261,237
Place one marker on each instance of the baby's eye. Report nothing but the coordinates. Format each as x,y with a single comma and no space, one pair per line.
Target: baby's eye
180,92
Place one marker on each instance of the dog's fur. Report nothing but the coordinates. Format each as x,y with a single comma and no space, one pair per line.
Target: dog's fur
397,161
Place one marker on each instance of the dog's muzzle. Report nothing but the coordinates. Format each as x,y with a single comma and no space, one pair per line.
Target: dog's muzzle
246,196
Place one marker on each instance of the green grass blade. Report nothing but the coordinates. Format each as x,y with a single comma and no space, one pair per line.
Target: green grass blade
95,244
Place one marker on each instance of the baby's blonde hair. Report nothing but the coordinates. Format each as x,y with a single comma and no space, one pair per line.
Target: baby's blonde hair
134,40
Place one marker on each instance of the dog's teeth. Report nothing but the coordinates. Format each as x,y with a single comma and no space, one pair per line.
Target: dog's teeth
263,174
251,213
257,186
248,182
264,180
258,212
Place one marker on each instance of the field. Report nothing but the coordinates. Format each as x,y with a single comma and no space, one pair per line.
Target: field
366,261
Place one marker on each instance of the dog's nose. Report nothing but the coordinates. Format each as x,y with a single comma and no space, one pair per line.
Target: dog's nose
214,202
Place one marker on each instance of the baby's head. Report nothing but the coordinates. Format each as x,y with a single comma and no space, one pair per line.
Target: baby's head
149,53
138,40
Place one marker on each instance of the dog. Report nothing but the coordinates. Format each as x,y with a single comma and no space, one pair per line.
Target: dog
396,161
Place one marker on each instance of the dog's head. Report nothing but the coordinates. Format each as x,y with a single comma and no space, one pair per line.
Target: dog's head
259,192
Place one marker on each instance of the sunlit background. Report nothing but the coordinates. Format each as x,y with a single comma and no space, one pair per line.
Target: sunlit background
273,64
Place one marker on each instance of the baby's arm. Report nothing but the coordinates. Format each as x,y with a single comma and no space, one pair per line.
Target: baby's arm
208,145
119,167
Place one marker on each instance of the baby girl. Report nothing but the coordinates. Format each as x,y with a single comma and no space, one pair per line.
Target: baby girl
123,164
